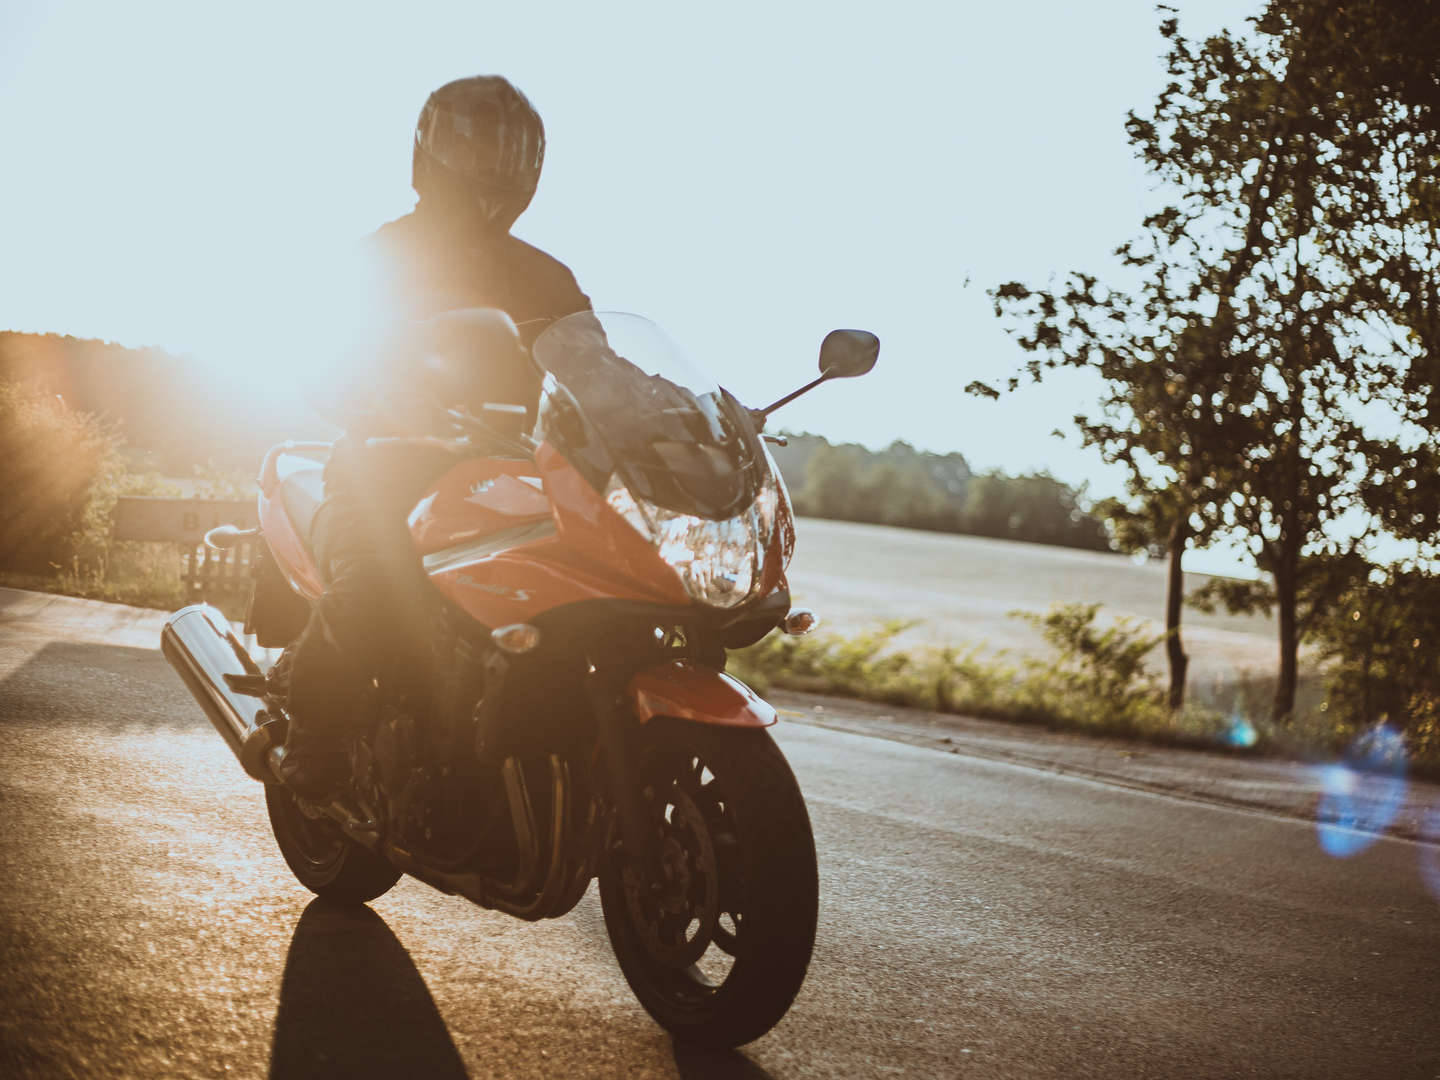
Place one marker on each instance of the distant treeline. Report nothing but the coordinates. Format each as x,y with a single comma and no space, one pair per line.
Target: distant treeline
903,486
177,413
179,410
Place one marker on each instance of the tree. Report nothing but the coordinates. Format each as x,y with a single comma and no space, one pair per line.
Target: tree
829,489
1376,63
1236,374
1035,507
910,488
1152,417
1158,519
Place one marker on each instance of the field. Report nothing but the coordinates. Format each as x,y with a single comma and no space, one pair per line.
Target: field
961,589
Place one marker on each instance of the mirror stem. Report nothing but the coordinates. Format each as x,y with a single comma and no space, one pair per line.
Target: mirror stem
791,397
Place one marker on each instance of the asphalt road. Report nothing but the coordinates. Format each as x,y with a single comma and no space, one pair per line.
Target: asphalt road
978,918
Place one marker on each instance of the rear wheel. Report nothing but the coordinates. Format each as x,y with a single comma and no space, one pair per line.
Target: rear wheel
324,859
716,939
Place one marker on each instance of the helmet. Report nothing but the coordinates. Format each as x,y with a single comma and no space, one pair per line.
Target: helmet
479,145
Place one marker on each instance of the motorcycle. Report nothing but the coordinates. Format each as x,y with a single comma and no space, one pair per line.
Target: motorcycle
588,577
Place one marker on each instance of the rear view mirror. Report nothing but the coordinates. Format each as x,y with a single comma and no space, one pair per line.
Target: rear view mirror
843,355
847,353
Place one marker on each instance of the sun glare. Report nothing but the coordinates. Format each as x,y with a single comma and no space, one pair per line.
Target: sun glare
305,313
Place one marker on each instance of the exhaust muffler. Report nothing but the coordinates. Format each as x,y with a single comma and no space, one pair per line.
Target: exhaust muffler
199,644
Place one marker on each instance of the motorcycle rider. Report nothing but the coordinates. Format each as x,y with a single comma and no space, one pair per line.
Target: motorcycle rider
479,147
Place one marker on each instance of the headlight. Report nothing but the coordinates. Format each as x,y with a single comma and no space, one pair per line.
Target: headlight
719,562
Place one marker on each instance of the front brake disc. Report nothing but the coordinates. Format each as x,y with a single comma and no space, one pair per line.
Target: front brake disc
677,915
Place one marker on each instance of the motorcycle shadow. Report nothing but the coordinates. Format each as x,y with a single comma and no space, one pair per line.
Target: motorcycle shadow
694,1063
352,1003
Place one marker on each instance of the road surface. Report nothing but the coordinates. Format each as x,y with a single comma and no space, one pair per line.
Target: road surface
978,918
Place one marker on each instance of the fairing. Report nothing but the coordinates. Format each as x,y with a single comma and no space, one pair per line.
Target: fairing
689,691
476,498
510,540
586,552
287,542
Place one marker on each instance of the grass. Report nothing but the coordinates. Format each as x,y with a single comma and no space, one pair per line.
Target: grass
966,681
1093,681
1078,689
139,574
143,575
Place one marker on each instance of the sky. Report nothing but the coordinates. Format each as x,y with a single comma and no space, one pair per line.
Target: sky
749,175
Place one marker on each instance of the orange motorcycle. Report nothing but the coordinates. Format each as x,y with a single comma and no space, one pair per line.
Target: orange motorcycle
588,577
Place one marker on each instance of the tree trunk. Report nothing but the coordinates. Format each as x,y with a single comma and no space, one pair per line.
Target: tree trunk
1285,599
1174,598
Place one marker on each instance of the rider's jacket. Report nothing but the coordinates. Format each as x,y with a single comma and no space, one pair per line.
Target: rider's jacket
428,262
416,267
434,265
412,269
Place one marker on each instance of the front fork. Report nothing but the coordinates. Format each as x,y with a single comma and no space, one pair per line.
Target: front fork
682,689
619,743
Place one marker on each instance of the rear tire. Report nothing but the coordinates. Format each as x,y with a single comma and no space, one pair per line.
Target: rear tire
716,952
322,858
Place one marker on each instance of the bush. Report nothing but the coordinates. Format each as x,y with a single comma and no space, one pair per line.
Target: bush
1095,683
58,484
1106,667
1382,641
64,472
213,482
1385,659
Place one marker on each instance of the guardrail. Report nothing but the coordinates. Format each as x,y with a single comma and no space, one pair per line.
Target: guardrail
217,577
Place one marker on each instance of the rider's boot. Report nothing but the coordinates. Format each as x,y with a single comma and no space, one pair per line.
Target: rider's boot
312,766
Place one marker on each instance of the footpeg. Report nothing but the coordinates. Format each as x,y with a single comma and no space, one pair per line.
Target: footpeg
249,685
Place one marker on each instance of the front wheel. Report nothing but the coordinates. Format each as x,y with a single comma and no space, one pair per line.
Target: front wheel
715,940
324,859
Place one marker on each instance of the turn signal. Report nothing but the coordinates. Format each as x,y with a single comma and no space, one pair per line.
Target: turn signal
800,621
516,638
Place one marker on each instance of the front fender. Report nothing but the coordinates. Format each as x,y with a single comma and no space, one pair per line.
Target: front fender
688,690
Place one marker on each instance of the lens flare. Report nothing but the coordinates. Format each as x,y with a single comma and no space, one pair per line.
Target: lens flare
1361,794
1430,851
1239,732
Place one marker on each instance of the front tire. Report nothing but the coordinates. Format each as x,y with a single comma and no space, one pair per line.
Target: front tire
322,858
717,948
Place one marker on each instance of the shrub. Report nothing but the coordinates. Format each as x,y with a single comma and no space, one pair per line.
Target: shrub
1382,641
58,484
214,482
1096,681
1105,666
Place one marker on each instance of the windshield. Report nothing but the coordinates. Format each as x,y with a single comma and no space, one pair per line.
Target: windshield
622,397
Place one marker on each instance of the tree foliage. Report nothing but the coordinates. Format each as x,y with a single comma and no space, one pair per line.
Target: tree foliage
1285,300
1382,640
181,411
58,483
907,487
